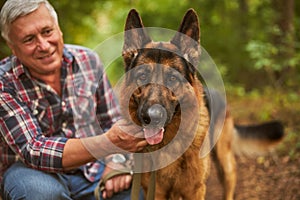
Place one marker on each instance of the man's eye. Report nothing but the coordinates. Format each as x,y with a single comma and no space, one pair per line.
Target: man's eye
47,32
28,40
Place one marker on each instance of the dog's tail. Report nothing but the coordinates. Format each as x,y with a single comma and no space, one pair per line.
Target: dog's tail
257,139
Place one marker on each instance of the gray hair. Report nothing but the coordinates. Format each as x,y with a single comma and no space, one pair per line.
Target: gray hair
12,9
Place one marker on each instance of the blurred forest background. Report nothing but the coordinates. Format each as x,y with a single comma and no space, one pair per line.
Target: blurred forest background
254,43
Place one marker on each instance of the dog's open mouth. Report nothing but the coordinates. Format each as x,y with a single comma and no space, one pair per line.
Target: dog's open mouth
154,135
154,119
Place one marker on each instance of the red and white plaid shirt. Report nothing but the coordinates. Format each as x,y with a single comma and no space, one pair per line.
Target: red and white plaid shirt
35,122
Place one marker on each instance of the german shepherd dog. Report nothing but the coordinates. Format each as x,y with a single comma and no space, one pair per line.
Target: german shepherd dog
162,93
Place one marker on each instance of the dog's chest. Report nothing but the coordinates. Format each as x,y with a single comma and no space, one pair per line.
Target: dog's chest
182,170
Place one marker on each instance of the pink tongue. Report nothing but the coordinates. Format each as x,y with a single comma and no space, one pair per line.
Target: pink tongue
154,135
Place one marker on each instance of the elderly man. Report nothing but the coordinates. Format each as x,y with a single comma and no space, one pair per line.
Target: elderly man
58,115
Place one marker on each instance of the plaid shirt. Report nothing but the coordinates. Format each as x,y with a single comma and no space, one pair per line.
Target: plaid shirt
35,122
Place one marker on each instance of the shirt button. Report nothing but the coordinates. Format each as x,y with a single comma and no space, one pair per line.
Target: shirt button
35,112
64,125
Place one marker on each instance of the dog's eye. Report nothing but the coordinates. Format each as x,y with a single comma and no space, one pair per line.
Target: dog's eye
142,78
172,80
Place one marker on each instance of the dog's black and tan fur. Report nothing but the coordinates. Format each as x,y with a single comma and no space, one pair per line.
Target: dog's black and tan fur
167,98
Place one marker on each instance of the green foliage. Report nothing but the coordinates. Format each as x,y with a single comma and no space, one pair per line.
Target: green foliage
263,54
77,20
238,34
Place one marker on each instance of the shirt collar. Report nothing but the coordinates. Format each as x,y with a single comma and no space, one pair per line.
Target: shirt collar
17,67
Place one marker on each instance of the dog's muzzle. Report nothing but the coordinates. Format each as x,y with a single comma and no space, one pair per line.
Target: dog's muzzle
154,121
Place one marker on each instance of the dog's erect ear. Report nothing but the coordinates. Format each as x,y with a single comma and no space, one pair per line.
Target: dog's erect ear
135,36
187,39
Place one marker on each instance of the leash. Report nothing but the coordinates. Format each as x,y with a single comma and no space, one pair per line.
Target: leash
101,184
151,186
137,179
136,183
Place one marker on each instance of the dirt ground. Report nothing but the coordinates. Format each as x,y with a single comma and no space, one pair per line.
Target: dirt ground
262,178
275,176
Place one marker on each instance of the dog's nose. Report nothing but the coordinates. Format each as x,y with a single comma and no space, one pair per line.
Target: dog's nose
156,115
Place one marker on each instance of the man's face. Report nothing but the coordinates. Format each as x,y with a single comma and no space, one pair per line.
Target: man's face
37,41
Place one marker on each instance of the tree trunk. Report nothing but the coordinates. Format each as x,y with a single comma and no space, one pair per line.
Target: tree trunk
284,39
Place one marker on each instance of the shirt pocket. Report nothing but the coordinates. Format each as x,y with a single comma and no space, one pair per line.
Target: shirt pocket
41,110
84,104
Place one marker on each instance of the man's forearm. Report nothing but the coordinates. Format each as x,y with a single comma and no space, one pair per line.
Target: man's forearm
78,152
75,155
121,138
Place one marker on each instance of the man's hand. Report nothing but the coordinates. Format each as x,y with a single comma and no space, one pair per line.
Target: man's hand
123,137
117,183
127,136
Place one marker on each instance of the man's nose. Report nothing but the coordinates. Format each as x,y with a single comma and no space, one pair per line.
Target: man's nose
43,44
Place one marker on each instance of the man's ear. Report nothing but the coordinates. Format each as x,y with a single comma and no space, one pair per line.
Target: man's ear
11,46
187,39
135,37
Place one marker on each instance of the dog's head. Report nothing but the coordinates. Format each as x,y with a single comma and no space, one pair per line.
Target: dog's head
162,75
